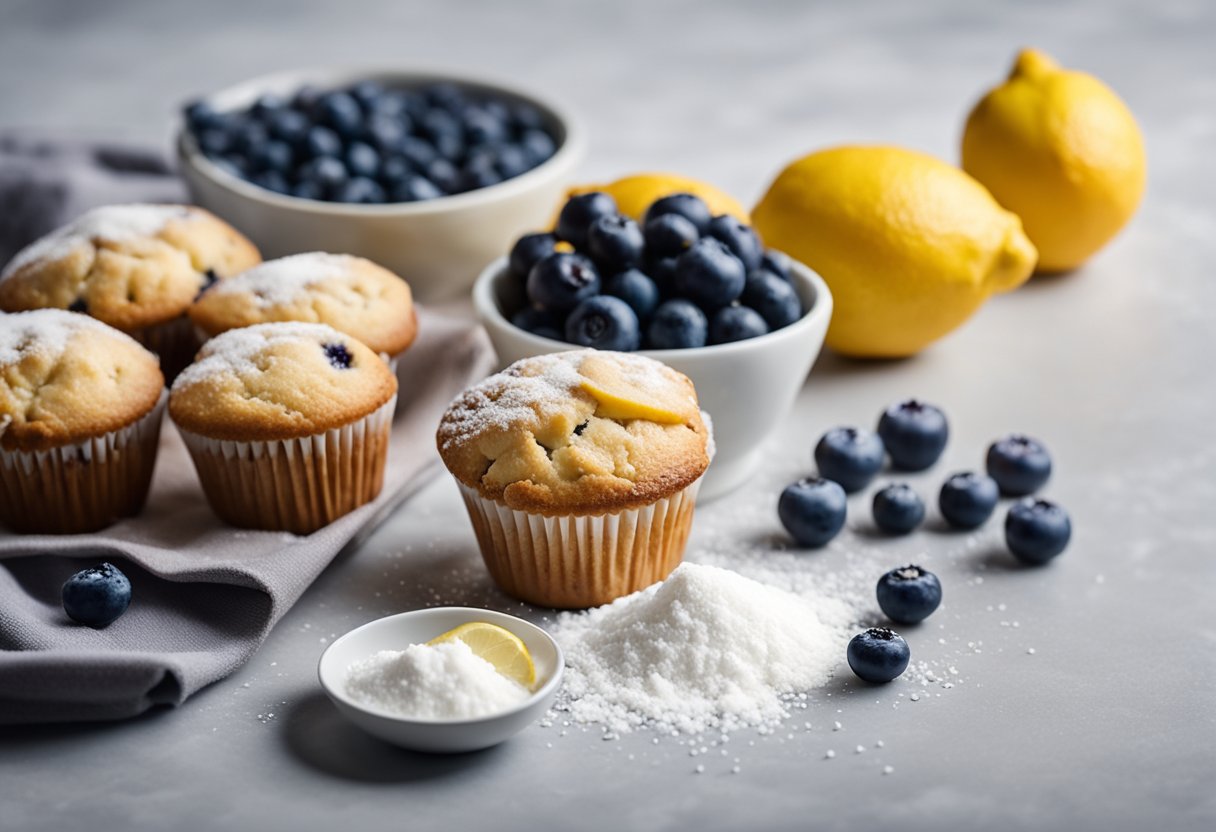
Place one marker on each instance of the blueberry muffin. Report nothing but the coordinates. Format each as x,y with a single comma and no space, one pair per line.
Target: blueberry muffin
287,424
80,413
579,471
351,294
135,267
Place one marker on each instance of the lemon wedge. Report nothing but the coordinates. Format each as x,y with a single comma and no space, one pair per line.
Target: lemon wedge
501,648
620,397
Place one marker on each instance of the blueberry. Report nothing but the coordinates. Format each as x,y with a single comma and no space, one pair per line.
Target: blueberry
248,136
709,274
1020,465
898,509
444,174
967,500
97,596
359,190
615,243
415,188
525,117
444,94
79,305
776,262
909,594
213,141
482,127
915,434
669,235
338,355
775,299
662,271
308,189
540,322
579,212
561,281
604,323
392,105
511,161
1036,530
878,655
480,173
675,325
849,456
418,152
739,238
692,208
393,169
735,323
386,133
539,146
329,174
321,141
362,160
272,180
272,155
529,250
266,106
289,126
636,289
812,510
201,115
367,93
445,133
341,111
306,99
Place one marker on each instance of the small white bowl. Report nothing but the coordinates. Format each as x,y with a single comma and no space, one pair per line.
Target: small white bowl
746,387
396,632
437,245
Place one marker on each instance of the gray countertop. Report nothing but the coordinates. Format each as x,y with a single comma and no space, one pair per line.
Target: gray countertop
1109,722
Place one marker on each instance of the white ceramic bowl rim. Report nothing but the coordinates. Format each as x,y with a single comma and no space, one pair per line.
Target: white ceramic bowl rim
555,679
571,145
486,305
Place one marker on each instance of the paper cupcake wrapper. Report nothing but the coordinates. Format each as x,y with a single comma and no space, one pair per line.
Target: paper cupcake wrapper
577,561
83,487
294,485
176,342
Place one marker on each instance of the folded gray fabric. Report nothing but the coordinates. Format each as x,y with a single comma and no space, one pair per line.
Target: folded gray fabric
205,595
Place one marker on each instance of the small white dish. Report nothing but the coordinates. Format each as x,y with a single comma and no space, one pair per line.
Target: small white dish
448,736
746,387
438,245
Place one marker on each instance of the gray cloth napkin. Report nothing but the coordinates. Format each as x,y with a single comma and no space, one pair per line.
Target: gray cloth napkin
205,595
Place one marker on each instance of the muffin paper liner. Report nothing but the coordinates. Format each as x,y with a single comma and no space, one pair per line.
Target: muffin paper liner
577,561
82,487
294,485
176,342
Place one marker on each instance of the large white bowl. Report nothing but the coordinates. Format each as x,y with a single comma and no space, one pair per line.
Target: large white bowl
746,387
438,245
396,632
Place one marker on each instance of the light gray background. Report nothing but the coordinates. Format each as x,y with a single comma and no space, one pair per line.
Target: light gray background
1109,724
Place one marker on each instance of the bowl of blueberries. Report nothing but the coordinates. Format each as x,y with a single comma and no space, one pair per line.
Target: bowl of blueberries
696,291
431,176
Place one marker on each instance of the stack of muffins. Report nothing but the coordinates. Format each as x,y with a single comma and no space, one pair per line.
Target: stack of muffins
286,412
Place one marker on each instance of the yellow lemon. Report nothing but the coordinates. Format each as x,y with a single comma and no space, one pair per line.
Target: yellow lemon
909,245
1060,150
498,646
634,194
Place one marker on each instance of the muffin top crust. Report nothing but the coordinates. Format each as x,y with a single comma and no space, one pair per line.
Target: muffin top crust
351,294
582,432
65,378
130,266
279,381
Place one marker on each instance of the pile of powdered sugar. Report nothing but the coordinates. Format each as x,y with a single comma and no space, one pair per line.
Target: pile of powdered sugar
707,648
279,282
443,681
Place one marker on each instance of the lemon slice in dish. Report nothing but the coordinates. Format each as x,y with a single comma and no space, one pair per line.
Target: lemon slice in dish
501,648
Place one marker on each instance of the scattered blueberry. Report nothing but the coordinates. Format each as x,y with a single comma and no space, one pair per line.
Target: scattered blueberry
851,457
735,323
967,500
878,655
1020,465
812,511
615,243
1036,530
561,281
914,433
909,594
529,250
670,235
636,289
338,355
709,274
898,509
604,323
773,297
97,596
677,324
579,212
739,238
691,207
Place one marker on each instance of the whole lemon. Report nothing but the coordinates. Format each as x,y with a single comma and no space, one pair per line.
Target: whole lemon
634,194
909,245
1060,150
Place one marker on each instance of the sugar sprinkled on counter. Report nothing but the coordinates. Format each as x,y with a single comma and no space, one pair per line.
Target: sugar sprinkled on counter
443,681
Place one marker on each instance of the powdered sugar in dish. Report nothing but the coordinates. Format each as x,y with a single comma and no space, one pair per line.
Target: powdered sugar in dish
443,681
234,350
46,331
707,648
115,223
280,282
